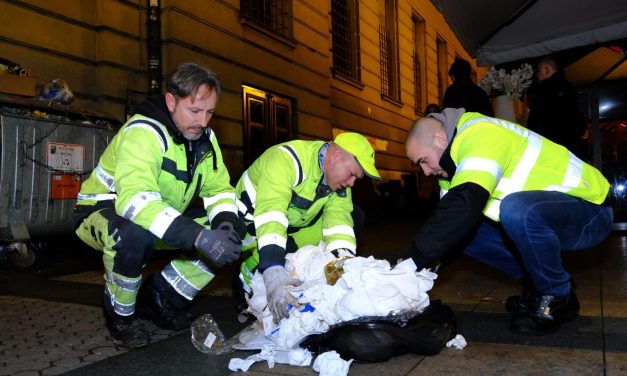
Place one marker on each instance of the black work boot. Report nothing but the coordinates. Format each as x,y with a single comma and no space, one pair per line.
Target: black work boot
548,313
126,331
523,303
155,302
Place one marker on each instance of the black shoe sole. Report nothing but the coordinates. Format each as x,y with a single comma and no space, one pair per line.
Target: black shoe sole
529,331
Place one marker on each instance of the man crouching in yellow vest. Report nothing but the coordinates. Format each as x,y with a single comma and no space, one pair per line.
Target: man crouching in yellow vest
537,200
295,194
140,198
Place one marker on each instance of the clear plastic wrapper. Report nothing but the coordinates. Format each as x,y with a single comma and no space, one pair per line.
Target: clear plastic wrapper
207,336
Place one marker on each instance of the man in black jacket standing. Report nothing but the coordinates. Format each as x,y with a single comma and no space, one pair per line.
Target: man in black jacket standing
464,93
553,111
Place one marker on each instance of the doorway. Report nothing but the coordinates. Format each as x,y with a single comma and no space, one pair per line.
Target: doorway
268,120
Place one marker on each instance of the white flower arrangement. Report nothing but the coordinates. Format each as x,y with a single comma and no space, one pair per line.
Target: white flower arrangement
498,82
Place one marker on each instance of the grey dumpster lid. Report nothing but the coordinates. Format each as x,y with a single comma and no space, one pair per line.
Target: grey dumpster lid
16,105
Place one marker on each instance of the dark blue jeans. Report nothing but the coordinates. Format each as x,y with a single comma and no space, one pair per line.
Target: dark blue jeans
536,226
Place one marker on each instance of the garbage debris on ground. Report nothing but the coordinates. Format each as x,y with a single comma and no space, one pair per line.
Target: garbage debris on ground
459,342
295,357
331,364
364,289
207,337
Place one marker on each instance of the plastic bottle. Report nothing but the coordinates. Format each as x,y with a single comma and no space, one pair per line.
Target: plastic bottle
207,336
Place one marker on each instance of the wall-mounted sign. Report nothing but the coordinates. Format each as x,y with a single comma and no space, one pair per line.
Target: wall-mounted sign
64,186
65,157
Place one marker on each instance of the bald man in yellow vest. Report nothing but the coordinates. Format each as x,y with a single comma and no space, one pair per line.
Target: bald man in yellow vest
514,200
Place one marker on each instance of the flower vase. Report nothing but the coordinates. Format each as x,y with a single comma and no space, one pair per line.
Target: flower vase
504,108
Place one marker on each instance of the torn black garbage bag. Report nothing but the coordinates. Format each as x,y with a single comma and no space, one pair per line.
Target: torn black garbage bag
379,339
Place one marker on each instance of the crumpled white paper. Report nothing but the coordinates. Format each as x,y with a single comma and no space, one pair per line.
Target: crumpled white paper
295,357
368,287
459,342
331,364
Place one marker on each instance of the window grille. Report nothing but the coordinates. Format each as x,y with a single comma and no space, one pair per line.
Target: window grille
387,63
442,68
273,14
417,83
345,41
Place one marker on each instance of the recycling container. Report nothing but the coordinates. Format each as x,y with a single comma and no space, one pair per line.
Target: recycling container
45,153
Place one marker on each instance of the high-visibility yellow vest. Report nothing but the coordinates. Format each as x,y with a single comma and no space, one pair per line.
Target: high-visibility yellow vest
145,173
504,158
281,192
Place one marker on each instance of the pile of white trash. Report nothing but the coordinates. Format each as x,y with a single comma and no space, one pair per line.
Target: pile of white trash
367,288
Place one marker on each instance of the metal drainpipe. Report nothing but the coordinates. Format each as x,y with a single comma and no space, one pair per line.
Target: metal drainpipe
153,42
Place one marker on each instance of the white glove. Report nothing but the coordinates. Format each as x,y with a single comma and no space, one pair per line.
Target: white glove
277,281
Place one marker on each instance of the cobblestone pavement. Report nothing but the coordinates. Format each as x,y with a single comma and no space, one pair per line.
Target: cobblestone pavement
51,322
39,337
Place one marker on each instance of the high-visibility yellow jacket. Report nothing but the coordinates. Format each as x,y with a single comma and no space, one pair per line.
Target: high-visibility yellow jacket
488,159
281,192
503,158
151,174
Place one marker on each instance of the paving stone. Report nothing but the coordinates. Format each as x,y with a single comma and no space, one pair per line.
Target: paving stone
24,373
55,370
95,357
72,362
106,350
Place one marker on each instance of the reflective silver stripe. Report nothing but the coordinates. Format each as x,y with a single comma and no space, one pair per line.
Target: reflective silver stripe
503,123
208,201
203,267
231,208
244,210
138,203
493,211
297,168
269,239
212,135
247,288
519,177
337,244
105,178
481,164
131,285
572,178
250,189
163,221
443,192
119,307
97,197
271,216
151,129
178,282
341,229
528,160
248,240
123,309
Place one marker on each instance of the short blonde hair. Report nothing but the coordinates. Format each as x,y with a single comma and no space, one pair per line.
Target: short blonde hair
424,129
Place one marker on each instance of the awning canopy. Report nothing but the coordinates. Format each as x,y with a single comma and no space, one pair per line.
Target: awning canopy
497,32
588,38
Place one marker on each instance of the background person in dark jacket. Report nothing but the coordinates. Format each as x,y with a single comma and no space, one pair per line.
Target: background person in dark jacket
464,93
553,109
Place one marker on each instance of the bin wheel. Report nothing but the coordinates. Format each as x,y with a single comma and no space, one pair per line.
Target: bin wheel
25,259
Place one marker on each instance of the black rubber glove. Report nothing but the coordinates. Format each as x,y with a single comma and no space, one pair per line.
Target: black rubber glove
219,246
228,226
